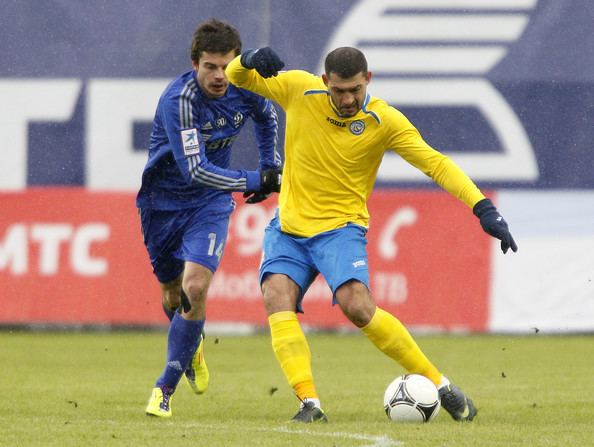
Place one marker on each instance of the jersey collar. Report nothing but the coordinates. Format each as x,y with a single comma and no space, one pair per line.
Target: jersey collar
369,112
363,107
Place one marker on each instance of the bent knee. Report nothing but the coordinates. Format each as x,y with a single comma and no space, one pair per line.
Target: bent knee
195,288
356,303
360,314
280,293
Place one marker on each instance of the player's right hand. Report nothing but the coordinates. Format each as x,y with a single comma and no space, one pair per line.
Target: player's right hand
264,60
270,180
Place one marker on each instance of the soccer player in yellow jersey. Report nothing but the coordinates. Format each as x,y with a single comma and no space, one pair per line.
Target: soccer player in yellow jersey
336,135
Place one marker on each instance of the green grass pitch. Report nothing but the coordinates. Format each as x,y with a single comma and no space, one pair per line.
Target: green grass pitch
90,389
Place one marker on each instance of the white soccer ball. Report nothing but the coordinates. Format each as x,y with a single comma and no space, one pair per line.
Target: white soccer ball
411,398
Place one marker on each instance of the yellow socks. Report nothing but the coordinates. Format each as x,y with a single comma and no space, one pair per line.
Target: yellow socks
384,330
292,352
393,339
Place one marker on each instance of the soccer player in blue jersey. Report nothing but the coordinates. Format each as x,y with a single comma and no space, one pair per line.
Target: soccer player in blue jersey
185,198
336,136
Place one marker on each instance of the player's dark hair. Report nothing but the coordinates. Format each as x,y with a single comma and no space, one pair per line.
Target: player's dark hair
215,36
346,62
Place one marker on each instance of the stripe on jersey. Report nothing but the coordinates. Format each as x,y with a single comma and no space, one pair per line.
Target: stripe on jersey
277,156
201,175
185,104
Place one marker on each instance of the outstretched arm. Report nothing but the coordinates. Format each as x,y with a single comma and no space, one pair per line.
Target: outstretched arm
409,144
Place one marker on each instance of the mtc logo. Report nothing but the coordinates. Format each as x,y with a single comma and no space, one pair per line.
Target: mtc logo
53,242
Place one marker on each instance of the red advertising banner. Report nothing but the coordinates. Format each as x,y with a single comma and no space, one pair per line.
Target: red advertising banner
70,256
75,257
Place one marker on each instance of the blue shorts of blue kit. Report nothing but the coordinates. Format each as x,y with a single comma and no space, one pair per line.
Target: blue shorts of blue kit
195,235
339,255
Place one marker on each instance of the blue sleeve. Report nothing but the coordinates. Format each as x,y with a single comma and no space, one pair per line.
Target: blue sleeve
180,119
266,126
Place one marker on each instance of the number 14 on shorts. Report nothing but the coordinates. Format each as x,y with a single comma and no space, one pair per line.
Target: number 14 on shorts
212,237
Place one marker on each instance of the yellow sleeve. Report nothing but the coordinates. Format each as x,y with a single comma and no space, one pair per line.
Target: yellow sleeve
279,89
406,141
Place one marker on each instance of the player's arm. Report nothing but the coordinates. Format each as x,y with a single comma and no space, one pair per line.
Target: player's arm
408,143
179,120
438,166
243,74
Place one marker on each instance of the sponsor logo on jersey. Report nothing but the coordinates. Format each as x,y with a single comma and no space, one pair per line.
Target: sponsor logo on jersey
237,119
359,263
357,127
335,122
220,143
220,121
190,141
207,126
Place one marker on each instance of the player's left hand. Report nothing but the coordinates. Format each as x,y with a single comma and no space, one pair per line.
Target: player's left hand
255,197
264,60
270,180
494,224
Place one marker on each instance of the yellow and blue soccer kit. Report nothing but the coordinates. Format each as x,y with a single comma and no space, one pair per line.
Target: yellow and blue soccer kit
331,164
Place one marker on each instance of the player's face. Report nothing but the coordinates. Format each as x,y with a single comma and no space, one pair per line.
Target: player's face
210,72
347,94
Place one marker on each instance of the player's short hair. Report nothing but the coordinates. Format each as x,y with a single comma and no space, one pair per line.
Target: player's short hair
215,36
346,62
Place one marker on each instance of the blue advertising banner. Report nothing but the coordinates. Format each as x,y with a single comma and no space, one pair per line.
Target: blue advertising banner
505,87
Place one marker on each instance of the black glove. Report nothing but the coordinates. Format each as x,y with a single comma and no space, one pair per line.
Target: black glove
270,180
255,197
494,224
264,60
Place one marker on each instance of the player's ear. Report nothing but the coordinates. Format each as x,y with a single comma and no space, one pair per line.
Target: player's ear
368,77
325,79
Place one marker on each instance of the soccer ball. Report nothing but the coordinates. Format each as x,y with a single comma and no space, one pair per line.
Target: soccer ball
411,398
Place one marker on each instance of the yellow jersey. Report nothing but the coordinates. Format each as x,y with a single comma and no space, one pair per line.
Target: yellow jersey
331,162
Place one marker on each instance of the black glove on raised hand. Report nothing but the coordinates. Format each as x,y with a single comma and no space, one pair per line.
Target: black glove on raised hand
264,60
494,224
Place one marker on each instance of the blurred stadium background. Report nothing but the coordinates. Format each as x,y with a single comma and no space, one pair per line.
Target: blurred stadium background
505,87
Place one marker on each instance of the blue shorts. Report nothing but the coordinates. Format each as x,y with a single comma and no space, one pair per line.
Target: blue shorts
339,255
194,234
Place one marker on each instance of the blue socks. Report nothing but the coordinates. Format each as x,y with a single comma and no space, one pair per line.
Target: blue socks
182,342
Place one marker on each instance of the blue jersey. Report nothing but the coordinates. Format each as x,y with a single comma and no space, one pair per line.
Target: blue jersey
190,145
